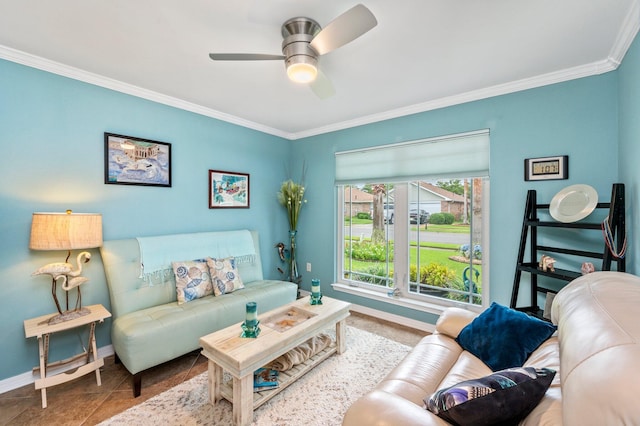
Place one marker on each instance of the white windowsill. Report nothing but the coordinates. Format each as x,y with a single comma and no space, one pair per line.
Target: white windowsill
405,302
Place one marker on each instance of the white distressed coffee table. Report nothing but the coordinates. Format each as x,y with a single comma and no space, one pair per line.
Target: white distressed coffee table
240,357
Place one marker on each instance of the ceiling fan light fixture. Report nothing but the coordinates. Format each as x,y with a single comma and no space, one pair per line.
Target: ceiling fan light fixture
302,72
304,41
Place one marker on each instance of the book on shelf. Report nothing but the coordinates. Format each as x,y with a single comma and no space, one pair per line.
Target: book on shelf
265,378
265,388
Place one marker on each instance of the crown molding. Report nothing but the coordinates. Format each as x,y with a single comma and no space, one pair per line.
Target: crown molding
58,68
625,37
594,68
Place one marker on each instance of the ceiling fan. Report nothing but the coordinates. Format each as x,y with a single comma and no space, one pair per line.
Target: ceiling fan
305,40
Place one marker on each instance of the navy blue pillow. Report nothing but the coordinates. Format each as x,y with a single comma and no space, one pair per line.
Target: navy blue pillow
504,338
502,398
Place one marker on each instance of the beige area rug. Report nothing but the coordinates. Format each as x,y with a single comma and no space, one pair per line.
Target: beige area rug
321,397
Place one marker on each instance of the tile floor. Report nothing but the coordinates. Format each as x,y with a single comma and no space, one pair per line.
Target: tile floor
82,402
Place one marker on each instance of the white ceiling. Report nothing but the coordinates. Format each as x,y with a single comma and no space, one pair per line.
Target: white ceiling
424,54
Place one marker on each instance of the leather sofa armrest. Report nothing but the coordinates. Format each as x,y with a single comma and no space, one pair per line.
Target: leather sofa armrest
453,320
380,408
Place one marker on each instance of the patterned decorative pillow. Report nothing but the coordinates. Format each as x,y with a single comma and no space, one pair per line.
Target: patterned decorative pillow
192,280
505,397
504,338
224,275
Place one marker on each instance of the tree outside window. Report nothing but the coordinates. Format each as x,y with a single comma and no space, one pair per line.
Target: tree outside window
441,259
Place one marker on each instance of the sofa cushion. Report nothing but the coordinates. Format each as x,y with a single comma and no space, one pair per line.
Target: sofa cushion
504,338
453,320
192,280
224,275
504,397
141,338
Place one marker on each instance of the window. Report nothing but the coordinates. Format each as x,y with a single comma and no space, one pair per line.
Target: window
419,239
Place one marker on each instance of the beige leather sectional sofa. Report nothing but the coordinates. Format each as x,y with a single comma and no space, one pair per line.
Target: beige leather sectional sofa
595,351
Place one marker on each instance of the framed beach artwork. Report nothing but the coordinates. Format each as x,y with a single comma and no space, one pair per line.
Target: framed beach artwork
228,190
135,161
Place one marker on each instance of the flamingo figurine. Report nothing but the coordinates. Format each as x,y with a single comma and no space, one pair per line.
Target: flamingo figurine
70,279
74,282
64,268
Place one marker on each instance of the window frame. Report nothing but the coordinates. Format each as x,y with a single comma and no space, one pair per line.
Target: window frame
425,303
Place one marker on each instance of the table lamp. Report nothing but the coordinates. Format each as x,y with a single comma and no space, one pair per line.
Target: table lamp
66,231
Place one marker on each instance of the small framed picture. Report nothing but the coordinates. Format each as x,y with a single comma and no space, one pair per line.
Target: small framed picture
136,161
546,168
228,190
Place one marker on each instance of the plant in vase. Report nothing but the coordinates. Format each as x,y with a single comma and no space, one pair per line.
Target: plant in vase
291,197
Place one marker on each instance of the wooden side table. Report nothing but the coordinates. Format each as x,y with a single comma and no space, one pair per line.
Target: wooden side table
40,328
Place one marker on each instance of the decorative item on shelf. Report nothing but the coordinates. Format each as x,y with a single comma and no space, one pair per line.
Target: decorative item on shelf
66,231
546,263
587,268
291,197
265,379
316,295
573,203
250,326
610,240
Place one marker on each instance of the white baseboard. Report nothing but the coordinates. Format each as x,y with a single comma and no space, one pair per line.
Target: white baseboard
28,378
396,319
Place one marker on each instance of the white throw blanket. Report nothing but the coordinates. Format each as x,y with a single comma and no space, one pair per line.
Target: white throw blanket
157,253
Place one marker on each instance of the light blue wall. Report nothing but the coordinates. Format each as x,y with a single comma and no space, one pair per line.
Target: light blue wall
629,95
51,135
577,118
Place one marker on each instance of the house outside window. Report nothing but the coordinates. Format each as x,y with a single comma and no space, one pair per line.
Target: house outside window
423,239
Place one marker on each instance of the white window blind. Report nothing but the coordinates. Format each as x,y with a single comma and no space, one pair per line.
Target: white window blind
460,155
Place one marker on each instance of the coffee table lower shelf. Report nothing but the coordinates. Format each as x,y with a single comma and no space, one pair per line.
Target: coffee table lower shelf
285,378
239,357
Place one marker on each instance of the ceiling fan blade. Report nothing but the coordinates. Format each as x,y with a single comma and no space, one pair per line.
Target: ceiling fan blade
344,29
322,86
244,57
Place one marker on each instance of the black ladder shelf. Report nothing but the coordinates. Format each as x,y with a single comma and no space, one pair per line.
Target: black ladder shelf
530,225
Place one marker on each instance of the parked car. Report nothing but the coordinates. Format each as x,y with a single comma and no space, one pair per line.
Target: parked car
388,213
419,216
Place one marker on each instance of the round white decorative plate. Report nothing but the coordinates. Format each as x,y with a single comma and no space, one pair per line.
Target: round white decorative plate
573,203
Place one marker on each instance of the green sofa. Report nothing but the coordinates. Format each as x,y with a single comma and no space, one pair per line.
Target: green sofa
149,326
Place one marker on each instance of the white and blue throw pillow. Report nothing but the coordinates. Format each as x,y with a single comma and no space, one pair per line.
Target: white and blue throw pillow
193,280
224,275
